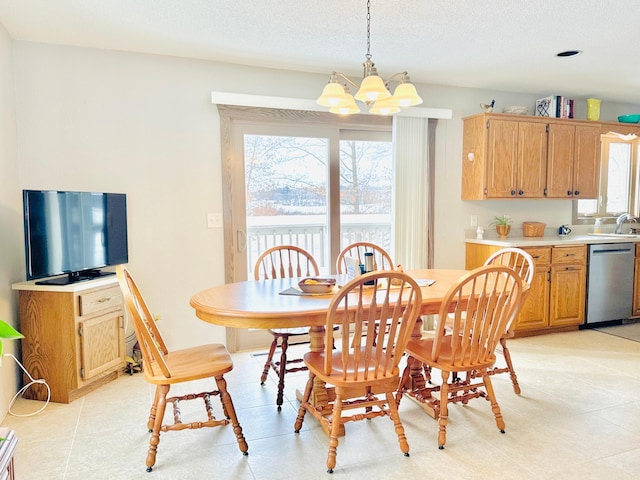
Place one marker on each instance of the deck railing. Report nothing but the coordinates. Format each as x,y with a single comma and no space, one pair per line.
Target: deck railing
312,236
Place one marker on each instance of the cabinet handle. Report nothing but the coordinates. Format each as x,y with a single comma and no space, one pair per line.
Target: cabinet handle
569,254
569,193
520,192
576,193
104,299
513,192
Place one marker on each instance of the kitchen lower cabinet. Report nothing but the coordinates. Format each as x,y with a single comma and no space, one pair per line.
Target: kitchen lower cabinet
74,336
556,300
568,285
535,311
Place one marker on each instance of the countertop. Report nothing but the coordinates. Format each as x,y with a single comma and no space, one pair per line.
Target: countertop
553,240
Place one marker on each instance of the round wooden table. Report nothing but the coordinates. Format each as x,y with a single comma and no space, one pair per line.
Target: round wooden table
259,304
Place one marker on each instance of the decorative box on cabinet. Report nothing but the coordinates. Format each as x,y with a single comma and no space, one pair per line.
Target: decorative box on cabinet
74,336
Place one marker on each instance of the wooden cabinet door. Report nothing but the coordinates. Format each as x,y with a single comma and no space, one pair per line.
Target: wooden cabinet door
532,160
568,291
502,159
535,311
560,160
586,166
101,344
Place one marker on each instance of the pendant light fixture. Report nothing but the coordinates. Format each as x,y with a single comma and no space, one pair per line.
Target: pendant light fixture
373,90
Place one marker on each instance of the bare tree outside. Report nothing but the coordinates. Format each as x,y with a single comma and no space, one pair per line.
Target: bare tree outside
366,176
287,199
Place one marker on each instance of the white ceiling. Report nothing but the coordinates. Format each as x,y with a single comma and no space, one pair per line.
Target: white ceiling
506,45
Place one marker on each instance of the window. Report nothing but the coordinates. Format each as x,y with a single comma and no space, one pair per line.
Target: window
288,192
289,177
618,191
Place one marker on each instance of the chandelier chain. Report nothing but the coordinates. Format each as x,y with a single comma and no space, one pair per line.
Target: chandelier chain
368,56
373,91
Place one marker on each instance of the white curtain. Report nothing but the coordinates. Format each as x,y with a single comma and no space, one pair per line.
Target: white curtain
413,203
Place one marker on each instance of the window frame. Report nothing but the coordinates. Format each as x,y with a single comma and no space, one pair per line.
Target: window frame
634,185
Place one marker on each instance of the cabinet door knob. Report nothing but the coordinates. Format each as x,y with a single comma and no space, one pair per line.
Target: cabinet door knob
576,193
513,192
569,192
520,192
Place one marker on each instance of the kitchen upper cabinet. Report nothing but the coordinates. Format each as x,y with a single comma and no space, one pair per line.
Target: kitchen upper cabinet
504,158
573,165
512,156
516,157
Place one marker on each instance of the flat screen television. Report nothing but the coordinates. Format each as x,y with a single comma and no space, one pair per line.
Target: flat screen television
73,233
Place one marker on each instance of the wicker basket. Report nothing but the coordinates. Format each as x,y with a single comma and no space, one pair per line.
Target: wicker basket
533,229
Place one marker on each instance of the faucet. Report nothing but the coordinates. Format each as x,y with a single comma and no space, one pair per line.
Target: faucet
621,219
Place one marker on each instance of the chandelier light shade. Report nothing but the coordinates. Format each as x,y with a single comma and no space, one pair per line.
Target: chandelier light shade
347,106
373,90
332,95
386,106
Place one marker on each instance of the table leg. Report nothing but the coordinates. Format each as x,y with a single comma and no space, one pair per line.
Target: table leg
321,396
414,385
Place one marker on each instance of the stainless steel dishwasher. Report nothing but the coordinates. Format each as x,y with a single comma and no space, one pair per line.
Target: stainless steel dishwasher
610,282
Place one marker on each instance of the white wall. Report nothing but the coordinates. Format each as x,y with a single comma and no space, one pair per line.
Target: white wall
144,125
11,247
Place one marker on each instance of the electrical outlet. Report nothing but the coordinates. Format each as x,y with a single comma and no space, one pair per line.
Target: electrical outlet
214,220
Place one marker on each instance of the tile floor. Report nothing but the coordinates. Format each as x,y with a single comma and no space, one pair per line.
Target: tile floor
578,418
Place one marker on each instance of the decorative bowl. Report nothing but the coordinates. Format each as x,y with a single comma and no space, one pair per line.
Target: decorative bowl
632,118
516,110
316,285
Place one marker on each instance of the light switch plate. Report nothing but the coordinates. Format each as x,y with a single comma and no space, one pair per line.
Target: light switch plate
214,220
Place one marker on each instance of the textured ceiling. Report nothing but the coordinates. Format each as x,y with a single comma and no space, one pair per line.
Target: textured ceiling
505,45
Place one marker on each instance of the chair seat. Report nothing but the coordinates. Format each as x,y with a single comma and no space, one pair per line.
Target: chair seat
315,363
421,349
192,364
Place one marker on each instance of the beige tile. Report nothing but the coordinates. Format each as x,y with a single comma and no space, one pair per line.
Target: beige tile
578,418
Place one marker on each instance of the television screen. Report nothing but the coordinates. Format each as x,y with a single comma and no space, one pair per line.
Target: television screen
76,233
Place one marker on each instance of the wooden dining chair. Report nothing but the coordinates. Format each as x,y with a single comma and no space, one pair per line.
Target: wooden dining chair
284,261
523,264
164,368
483,303
367,364
381,259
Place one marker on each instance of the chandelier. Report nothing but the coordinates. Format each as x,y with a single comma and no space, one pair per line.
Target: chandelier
373,90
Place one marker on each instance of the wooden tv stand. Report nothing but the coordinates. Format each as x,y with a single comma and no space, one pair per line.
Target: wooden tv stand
74,336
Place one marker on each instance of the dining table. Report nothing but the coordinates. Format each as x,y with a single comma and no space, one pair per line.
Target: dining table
274,303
